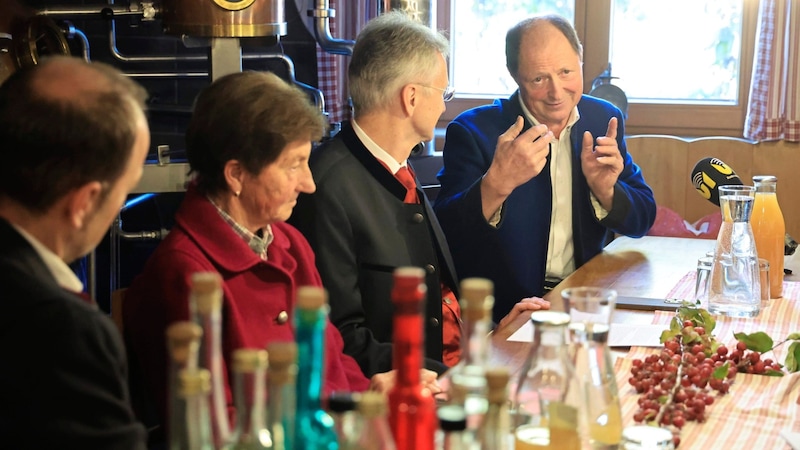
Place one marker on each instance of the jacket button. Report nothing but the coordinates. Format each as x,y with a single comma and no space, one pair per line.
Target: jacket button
434,322
417,218
282,318
430,268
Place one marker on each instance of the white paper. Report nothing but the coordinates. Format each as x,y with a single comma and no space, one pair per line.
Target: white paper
620,335
792,438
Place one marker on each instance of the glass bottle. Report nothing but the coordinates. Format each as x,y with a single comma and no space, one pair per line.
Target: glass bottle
412,408
281,402
495,430
205,303
547,400
769,230
453,423
476,301
735,289
190,424
342,407
590,311
372,426
183,341
646,437
250,394
313,426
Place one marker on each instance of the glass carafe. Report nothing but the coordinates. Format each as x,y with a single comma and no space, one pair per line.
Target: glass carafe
547,399
590,311
735,289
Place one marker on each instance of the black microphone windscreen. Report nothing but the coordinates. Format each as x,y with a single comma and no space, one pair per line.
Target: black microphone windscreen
711,173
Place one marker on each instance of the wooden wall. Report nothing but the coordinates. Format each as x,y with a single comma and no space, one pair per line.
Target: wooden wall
667,163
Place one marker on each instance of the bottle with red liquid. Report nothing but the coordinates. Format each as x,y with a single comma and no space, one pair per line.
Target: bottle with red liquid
412,408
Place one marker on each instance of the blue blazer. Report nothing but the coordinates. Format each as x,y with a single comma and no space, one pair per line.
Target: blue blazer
513,254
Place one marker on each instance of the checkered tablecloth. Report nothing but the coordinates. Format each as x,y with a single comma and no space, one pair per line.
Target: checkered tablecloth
758,407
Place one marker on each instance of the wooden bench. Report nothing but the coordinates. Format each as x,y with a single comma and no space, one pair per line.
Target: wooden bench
668,161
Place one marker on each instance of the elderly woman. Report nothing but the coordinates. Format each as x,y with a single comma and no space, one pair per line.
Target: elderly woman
248,144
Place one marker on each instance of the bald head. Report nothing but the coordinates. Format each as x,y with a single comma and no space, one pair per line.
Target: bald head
533,27
64,123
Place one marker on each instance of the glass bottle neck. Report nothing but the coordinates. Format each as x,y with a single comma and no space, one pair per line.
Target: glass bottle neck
407,350
250,392
310,330
766,187
474,342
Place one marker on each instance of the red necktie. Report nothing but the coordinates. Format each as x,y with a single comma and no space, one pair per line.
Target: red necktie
405,176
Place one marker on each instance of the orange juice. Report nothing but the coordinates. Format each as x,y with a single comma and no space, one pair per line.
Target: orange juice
769,230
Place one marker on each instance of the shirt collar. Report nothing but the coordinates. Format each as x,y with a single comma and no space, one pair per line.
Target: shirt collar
63,275
376,150
259,245
573,116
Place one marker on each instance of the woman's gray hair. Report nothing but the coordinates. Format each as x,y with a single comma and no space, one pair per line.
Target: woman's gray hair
391,51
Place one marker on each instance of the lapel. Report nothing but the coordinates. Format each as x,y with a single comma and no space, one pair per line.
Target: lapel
17,254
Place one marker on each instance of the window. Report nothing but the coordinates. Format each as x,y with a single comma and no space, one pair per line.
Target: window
684,64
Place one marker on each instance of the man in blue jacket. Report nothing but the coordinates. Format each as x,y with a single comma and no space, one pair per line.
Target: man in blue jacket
535,185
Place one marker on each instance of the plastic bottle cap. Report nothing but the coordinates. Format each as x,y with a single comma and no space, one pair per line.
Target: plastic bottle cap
452,418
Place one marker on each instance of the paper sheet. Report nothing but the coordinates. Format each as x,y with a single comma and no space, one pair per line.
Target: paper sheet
620,335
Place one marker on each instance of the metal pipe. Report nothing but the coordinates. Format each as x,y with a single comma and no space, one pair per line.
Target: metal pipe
119,56
322,31
70,31
88,10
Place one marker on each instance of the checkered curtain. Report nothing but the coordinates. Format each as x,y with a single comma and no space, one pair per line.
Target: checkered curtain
773,111
351,15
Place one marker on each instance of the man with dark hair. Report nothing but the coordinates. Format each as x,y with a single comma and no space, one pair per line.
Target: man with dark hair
73,139
535,185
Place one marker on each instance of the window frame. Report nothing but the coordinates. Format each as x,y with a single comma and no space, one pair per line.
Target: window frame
643,118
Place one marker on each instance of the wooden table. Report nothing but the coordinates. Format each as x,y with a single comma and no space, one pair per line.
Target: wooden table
645,267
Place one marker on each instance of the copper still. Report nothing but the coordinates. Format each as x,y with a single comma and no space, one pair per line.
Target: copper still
224,18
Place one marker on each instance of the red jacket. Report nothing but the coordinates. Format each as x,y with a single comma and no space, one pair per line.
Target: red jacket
255,292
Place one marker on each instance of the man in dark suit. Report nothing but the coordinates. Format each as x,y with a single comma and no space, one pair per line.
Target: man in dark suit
368,215
73,139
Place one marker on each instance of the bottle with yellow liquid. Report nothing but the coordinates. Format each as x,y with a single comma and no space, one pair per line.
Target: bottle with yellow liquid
547,400
769,230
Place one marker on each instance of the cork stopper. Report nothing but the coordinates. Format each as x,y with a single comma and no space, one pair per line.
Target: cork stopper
477,299
372,404
183,340
496,382
249,360
311,297
207,292
193,382
282,357
458,394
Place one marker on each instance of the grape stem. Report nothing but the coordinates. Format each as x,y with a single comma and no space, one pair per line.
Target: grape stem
673,391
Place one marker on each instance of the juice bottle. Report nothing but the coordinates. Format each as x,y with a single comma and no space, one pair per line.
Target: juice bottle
769,230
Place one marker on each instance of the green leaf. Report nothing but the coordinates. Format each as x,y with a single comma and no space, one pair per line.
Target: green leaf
793,337
720,372
792,357
773,373
666,335
758,341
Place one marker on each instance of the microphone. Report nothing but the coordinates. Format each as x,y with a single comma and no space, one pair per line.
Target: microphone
711,173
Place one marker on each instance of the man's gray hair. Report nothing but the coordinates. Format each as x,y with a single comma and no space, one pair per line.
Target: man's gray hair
391,51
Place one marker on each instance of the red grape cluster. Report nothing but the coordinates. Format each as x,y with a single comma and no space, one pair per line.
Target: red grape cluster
679,382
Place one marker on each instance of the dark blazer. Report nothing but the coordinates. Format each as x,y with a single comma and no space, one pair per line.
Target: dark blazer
514,254
361,230
64,378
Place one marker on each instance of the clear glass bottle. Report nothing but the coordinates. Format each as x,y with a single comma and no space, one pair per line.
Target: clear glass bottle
476,302
342,407
372,426
183,341
190,424
735,288
547,399
412,408
453,423
495,430
313,426
281,401
646,437
250,395
205,304
769,230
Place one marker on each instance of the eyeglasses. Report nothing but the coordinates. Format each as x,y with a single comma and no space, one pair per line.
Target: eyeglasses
448,93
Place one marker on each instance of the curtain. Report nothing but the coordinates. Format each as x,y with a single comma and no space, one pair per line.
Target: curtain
773,111
350,17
